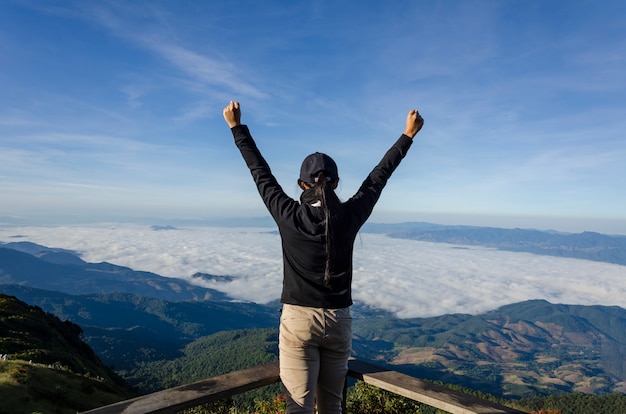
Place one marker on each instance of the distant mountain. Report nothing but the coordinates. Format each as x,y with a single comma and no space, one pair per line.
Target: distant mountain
587,245
48,254
49,368
161,228
528,348
29,264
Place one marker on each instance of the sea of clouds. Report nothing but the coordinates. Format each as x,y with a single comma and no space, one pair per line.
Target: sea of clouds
407,277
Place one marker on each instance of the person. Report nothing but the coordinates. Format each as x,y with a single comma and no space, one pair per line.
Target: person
317,234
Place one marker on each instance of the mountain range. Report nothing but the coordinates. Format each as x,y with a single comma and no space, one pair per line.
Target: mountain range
137,321
30,264
587,245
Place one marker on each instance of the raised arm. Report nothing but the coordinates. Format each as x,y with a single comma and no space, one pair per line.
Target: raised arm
414,123
366,197
232,114
271,192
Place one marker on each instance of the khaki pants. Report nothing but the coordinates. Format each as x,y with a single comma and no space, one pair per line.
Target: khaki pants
314,347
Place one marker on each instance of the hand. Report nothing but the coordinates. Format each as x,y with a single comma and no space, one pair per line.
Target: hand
232,114
414,123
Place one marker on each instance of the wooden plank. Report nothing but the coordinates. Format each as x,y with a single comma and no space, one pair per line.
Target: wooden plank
425,392
173,400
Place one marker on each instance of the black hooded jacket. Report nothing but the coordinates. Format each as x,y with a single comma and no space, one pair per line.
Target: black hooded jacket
301,226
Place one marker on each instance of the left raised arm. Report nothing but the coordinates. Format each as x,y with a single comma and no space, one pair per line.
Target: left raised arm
232,114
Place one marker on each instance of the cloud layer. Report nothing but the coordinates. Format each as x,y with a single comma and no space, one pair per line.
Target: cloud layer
409,278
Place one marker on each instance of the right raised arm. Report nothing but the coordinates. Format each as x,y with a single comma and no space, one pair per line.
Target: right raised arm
366,197
414,123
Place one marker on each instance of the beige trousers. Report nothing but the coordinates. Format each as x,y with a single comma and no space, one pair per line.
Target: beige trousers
314,346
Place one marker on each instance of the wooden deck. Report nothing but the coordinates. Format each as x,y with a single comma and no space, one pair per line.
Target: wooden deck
173,400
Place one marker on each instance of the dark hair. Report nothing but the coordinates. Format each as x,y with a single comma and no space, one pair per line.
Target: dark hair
330,203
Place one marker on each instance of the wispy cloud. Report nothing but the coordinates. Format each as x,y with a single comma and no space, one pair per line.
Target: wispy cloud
201,68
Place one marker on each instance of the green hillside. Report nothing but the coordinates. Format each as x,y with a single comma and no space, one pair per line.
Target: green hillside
213,355
48,368
524,349
209,356
127,330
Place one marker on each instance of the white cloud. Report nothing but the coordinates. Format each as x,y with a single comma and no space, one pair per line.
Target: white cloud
410,278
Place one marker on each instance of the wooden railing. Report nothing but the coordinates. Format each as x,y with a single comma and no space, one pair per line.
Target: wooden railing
173,400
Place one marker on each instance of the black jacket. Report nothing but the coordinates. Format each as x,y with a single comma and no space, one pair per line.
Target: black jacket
301,227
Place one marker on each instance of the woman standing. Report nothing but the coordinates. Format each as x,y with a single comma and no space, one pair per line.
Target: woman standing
317,234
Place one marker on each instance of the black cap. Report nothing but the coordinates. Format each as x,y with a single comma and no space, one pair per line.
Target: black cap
315,163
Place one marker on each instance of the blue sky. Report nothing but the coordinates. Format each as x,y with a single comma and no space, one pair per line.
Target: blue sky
112,110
